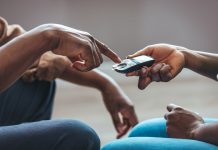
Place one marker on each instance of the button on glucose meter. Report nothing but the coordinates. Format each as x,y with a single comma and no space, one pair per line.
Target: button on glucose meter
133,64
122,65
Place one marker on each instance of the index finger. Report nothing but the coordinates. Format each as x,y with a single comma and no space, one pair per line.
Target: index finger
146,51
108,52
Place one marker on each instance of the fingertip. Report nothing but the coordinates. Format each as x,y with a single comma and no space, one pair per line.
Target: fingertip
119,60
119,136
141,87
129,56
141,84
114,57
123,132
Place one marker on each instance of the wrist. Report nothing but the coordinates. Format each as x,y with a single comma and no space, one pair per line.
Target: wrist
185,53
195,134
50,36
191,61
103,85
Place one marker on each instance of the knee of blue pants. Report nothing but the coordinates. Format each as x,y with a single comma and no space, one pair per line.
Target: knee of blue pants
156,143
150,128
49,135
78,135
155,128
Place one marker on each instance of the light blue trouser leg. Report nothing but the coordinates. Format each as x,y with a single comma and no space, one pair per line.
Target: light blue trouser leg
155,128
151,135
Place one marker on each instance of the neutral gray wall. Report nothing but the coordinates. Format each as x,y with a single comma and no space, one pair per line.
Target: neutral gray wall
125,25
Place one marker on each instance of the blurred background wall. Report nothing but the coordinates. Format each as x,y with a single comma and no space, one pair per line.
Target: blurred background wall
126,26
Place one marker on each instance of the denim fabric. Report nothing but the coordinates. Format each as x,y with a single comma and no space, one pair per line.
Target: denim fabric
25,110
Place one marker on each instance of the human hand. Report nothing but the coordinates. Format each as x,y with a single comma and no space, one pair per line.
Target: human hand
49,67
182,123
169,61
80,47
121,109
8,32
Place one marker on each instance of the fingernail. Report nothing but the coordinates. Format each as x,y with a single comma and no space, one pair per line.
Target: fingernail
128,56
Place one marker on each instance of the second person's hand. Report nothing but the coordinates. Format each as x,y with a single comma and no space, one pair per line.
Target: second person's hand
182,123
169,61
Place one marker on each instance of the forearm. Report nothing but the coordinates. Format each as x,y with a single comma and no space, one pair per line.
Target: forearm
17,55
201,62
207,133
94,78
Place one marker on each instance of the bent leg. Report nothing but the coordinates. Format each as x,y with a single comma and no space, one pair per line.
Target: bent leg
150,128
155,128
49,135
154,143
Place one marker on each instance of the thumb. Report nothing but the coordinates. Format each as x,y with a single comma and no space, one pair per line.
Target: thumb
29,75
145,51
138,53
80,66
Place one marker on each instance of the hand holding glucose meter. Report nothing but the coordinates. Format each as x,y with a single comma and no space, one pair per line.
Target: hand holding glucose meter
133,64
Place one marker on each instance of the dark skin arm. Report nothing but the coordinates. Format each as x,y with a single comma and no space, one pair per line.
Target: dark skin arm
170,60
114,98
120,107
201,62
50,66
15,59
207,133
80,47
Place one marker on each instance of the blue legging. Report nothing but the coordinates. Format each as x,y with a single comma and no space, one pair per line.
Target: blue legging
151,135
25,110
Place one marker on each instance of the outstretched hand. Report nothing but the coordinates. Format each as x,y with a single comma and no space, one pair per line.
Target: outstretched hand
169,61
